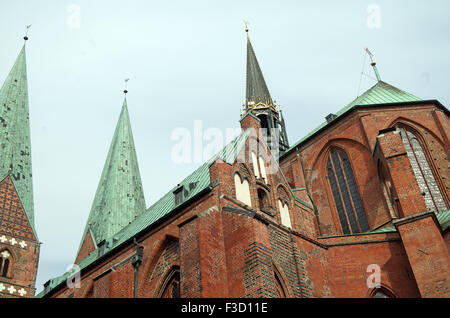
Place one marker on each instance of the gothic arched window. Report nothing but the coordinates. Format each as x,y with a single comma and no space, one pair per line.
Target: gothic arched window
345,193
434,200
279,285
381,292
242,189
5,263
171,288
284,213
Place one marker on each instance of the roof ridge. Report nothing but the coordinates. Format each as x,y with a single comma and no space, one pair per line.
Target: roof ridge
380,93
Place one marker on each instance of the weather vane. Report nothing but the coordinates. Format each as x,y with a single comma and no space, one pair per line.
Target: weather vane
246,26
370,55
126,81
374,65
26,34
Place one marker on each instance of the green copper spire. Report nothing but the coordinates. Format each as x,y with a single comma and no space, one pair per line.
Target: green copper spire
15,144
119,197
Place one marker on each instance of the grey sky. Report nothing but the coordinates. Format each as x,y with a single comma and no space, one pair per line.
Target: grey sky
186,61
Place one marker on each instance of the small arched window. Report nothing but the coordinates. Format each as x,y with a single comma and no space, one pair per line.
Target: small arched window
242,190
5,263
284,213
434,200
345,193
171,288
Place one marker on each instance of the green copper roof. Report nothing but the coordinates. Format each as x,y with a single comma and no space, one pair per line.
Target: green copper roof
195,183
380,93
256,86
15,144
119,197
443,218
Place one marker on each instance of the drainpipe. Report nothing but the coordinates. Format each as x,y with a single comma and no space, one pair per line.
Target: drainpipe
137,261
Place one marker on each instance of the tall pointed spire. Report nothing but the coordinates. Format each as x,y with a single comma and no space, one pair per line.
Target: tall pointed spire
259,103
256,85
119,197
15,143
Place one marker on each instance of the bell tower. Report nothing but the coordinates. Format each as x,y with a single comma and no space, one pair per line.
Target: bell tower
259,102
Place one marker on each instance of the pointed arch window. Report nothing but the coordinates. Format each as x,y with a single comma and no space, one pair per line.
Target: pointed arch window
381,292
281,293
345,193
259,167
415,149
5,263
171,288
284,213
242,188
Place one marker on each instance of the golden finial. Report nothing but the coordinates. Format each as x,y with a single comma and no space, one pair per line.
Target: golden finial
246,27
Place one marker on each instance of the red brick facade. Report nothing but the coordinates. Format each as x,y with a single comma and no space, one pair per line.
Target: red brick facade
221,247
19,248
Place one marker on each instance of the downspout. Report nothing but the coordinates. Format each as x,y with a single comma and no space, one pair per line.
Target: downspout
137,261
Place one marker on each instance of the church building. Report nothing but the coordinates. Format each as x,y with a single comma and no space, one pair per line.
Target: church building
359,207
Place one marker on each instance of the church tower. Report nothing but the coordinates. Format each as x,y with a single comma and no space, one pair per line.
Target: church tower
19,245
119,198
259,103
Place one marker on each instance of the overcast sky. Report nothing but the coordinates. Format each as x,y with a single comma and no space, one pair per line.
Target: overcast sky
186,61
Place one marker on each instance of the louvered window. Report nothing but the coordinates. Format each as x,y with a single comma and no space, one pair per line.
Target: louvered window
345,193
